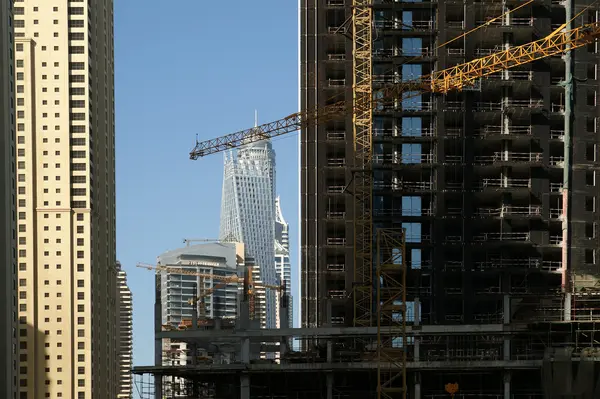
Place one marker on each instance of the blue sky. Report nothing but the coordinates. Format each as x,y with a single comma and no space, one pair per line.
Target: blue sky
184,69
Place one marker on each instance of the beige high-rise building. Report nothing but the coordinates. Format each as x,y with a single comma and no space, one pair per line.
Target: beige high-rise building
8,216
125,313
64,66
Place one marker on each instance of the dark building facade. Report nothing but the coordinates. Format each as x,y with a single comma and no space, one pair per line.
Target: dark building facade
8,217
498,236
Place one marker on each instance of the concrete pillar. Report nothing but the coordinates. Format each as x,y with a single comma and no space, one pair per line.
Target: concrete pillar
417,311
329,351
244,386
506,309
417,349
329,379
245,350
417,385
507,385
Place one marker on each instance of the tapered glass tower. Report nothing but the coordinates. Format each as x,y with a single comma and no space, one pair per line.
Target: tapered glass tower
248,210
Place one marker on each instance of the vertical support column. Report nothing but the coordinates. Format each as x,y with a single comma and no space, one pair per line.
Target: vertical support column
245,378
244,386
507,377
417,385
566,221
329,375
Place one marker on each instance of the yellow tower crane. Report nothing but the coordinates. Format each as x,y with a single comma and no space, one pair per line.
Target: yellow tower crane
391,383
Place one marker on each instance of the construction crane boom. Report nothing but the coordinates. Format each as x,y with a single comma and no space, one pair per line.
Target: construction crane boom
233,279
453,78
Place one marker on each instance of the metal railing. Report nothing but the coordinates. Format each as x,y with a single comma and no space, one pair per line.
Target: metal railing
483,237
335,189
336,56
405,159
336,267
509,157
336,241
336,135
336,162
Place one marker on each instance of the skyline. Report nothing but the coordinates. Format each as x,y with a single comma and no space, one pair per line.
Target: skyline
162,196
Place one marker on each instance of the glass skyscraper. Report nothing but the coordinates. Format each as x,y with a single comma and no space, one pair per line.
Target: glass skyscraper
248,211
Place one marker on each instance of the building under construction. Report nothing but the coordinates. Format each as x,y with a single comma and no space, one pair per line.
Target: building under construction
449,241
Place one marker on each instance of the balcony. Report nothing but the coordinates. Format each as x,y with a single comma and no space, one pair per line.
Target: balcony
504,263
336,56
336,29
336,136
416,133
557,161
336,215
337,83
557,134
424,25
335,189
402,185
512,157
509,211
491,130
336,162
336,241
335,3
499,237
404,159
336,267
336,294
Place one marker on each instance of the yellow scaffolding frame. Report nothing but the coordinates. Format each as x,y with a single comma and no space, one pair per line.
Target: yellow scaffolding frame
391,314
362,90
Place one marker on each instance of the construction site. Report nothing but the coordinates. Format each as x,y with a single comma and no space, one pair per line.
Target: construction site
449,215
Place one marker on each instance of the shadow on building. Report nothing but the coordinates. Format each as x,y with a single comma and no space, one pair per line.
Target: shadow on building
33,368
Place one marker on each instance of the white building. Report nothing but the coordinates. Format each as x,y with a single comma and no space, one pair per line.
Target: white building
125,335
248,212
282,256
179,294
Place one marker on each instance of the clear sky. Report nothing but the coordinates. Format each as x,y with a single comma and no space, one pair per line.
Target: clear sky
183,69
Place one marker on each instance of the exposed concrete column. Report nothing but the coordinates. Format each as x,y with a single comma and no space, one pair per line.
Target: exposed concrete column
417,348
329,380
244,386
329,351
417,385
245,350
417,311
506,307
507,384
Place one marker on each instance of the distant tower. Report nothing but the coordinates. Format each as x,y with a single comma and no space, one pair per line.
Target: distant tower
248,211
125,323
282,256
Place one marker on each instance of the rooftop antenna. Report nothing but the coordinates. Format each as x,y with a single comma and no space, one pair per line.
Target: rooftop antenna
255,118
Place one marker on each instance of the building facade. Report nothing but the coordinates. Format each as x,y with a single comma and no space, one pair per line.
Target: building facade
220,260
283,265
500,212
8,216
125,314
179,295
248,211
65,174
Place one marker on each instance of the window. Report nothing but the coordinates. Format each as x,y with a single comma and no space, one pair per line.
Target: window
590,204
590,256
80,267
590,178
590,152
590,230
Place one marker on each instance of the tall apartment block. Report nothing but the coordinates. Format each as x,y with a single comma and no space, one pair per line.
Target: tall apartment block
8,215
500,212
282,257
125,324
248,211
177,296
65,176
